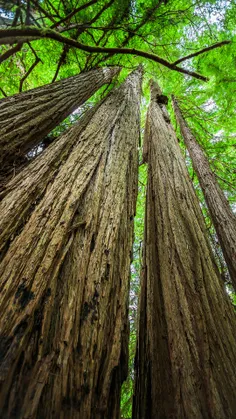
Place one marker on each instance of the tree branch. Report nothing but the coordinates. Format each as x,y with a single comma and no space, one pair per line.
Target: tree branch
4,94
194,54
30,33
53,8
11,52
70,15
42,10
17,14
80,29
61,61
37,60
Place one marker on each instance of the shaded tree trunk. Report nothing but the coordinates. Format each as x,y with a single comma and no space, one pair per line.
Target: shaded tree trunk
22,194
186,350
26,118
65,277
221,214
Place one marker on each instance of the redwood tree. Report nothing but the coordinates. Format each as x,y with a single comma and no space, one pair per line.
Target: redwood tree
65,277
186,351
26,118
22,193
221,214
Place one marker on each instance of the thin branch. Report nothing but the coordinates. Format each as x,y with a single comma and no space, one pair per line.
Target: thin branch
53,8
79,31
146,17
225,181
194,54
4,94
11,52
37,60
61,61
27,17
42,10
70,15
28,34
17,14
34,52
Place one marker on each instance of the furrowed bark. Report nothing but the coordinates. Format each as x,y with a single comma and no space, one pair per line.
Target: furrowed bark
186,348
23,193
221,214
65,277
26,118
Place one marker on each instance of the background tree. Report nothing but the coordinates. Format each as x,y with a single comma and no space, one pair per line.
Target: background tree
221,214
186,345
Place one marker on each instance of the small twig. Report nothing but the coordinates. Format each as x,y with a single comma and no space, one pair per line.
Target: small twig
70,15
34,52
53,8
17,14
37,60
1,90
225,181
34,20
80,29
27,18
61,61
194,54
42,10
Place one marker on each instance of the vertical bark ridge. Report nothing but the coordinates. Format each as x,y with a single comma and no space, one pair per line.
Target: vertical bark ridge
26,118
24,192
186,344
221,214
65,278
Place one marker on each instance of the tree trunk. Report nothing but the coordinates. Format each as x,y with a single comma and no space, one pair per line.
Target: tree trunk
221,214
65,277
26,118
25,190
186,351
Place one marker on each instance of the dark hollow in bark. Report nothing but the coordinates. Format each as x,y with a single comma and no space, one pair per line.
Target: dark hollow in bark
186,350
65,277
26,118
221,214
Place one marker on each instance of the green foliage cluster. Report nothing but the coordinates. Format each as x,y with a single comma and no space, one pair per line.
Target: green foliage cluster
170,29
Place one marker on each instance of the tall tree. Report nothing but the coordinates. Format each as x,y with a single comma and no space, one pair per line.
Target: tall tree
27,117
25,190
221,214
65,277
186,348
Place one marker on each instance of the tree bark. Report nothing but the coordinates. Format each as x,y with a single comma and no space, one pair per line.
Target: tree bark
186,350
221,214
65,277
22,194
26,118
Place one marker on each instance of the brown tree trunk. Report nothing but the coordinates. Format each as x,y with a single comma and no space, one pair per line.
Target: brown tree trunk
65,277
26,118
21,195
186,351
221,214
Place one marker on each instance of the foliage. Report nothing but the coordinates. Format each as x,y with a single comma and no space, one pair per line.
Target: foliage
127,388
169,29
